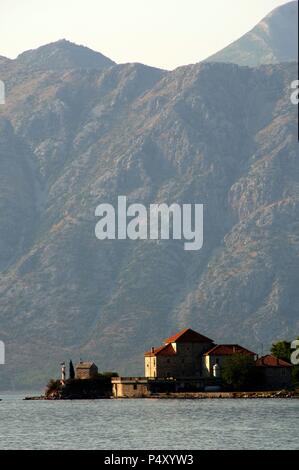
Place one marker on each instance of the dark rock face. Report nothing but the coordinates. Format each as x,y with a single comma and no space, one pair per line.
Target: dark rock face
217,134
273,40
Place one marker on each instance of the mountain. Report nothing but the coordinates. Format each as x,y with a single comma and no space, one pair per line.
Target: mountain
73,137
273,40
62,55
4,60
16,195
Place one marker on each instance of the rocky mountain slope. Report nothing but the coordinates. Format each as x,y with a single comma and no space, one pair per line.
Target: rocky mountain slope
273,40
61,55
73,137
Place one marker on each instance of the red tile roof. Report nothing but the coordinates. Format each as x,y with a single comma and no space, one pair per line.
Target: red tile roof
227,350
188,336
271,361
166,350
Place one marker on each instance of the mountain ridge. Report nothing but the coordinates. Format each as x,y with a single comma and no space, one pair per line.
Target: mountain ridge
63,54
263,44
273,40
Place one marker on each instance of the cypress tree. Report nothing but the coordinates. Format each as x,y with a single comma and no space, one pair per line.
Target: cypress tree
72,370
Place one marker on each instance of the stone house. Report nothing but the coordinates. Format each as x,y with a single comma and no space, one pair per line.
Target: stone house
86,370
214,358
181,356
276,372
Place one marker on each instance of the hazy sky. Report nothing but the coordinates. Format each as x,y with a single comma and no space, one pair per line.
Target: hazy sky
162,33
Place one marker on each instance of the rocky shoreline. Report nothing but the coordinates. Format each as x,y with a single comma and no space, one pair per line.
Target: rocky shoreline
188,395
55,398
227,395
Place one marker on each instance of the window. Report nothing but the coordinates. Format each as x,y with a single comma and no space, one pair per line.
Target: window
135,386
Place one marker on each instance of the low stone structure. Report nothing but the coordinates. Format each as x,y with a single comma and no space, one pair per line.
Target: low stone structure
144,387
130,387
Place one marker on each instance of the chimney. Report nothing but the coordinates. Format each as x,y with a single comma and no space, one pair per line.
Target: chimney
153,350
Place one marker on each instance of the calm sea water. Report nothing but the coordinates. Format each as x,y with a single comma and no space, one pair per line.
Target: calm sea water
149,424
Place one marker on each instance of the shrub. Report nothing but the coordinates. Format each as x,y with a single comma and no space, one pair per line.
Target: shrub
110,374
53,387
239,372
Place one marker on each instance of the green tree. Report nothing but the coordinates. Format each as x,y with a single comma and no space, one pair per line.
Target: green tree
282,350
238,371
110,374
71,370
